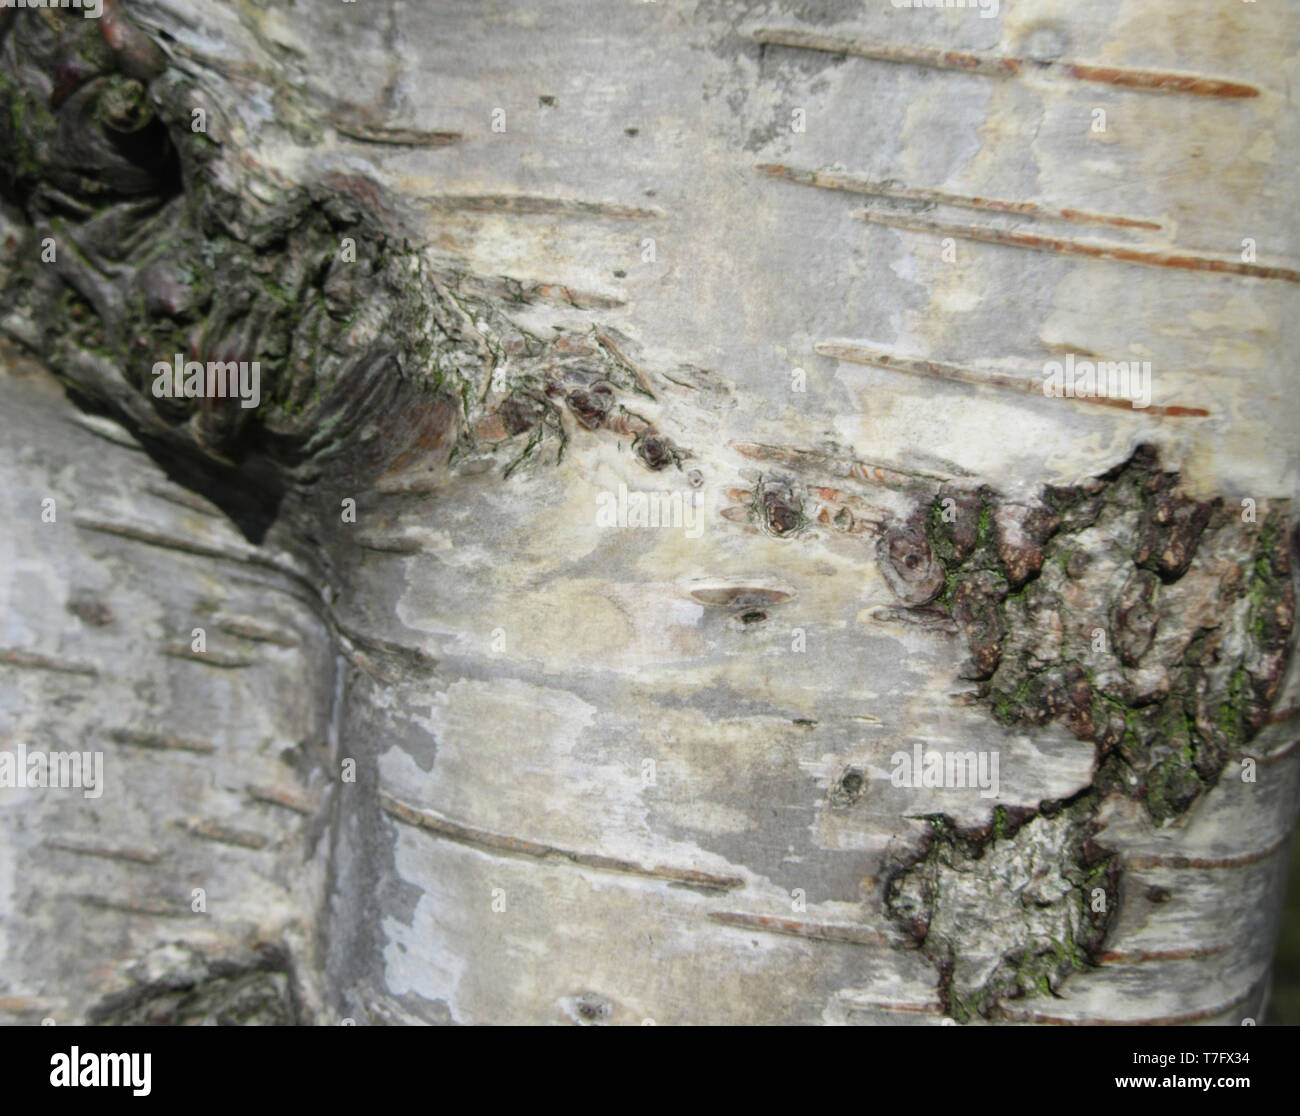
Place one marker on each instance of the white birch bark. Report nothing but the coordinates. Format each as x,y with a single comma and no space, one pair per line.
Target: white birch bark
746,253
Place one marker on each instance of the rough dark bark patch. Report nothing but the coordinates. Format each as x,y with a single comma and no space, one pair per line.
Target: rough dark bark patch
1154,625
1009,909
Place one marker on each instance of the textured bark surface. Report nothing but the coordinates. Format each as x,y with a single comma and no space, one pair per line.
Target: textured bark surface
498,747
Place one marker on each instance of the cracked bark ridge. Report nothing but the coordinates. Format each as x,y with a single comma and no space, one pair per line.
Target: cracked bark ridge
1011,909
168,241
1153,624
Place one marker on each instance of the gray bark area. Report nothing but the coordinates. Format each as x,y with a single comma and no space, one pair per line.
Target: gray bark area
618,775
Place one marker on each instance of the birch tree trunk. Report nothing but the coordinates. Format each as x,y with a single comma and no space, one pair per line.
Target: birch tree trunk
677,568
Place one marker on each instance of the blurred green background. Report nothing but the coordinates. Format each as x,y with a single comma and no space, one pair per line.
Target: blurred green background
1284,1008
